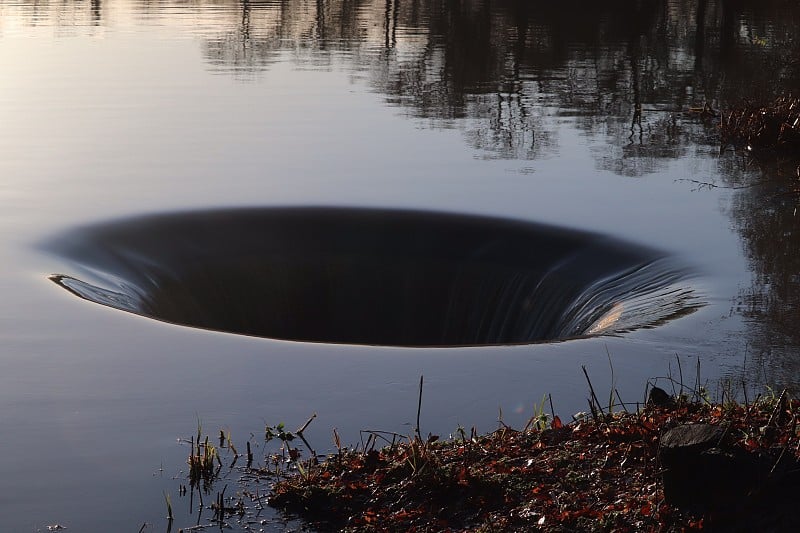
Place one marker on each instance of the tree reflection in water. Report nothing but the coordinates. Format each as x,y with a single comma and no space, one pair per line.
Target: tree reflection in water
767,219
627,71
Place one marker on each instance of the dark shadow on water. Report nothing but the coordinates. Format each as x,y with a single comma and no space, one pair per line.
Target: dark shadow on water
376,277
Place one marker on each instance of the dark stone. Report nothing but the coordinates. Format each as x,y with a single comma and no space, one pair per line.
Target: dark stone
659,397
688,437
686,470
702,472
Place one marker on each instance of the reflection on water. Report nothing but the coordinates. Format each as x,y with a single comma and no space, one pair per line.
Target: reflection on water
525,110
767,218
501,70
628,71
374,277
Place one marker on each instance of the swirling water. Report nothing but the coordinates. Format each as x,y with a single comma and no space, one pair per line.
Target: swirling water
375,277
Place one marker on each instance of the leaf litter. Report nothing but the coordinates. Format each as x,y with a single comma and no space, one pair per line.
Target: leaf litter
598,473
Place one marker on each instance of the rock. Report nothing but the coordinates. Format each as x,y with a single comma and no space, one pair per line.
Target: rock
691,478
737,490
659,397
688,437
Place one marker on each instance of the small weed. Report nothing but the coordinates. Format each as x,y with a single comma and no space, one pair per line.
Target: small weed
201,462
538,422
278,432
169,506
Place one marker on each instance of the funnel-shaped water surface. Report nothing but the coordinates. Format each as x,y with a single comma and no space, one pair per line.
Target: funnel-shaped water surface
369,276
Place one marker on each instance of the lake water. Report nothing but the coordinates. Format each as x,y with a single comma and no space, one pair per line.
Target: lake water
574,117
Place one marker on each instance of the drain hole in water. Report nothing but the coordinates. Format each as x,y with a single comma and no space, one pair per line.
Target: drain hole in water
376,277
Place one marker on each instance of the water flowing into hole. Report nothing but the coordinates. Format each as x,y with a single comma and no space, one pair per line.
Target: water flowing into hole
369,276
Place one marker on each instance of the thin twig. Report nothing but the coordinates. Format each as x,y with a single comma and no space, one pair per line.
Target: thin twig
620,401
310,449
709,185
671,379
697,381
744,391
419,408
302,429
593,409
613,382
778,407
591,389
783,449
375,433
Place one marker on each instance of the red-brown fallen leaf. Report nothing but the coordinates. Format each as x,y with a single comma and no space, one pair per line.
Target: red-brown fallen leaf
541,495
404,514
463,476
649,423
696,524
568,516
556,423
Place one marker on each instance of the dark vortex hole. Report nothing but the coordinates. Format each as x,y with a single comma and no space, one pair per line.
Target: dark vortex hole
371,276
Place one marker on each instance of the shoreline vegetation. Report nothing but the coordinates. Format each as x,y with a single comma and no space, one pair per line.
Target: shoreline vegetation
767,132
677,462
771,128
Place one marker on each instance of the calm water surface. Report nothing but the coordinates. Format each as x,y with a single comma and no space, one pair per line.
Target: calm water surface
533,112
